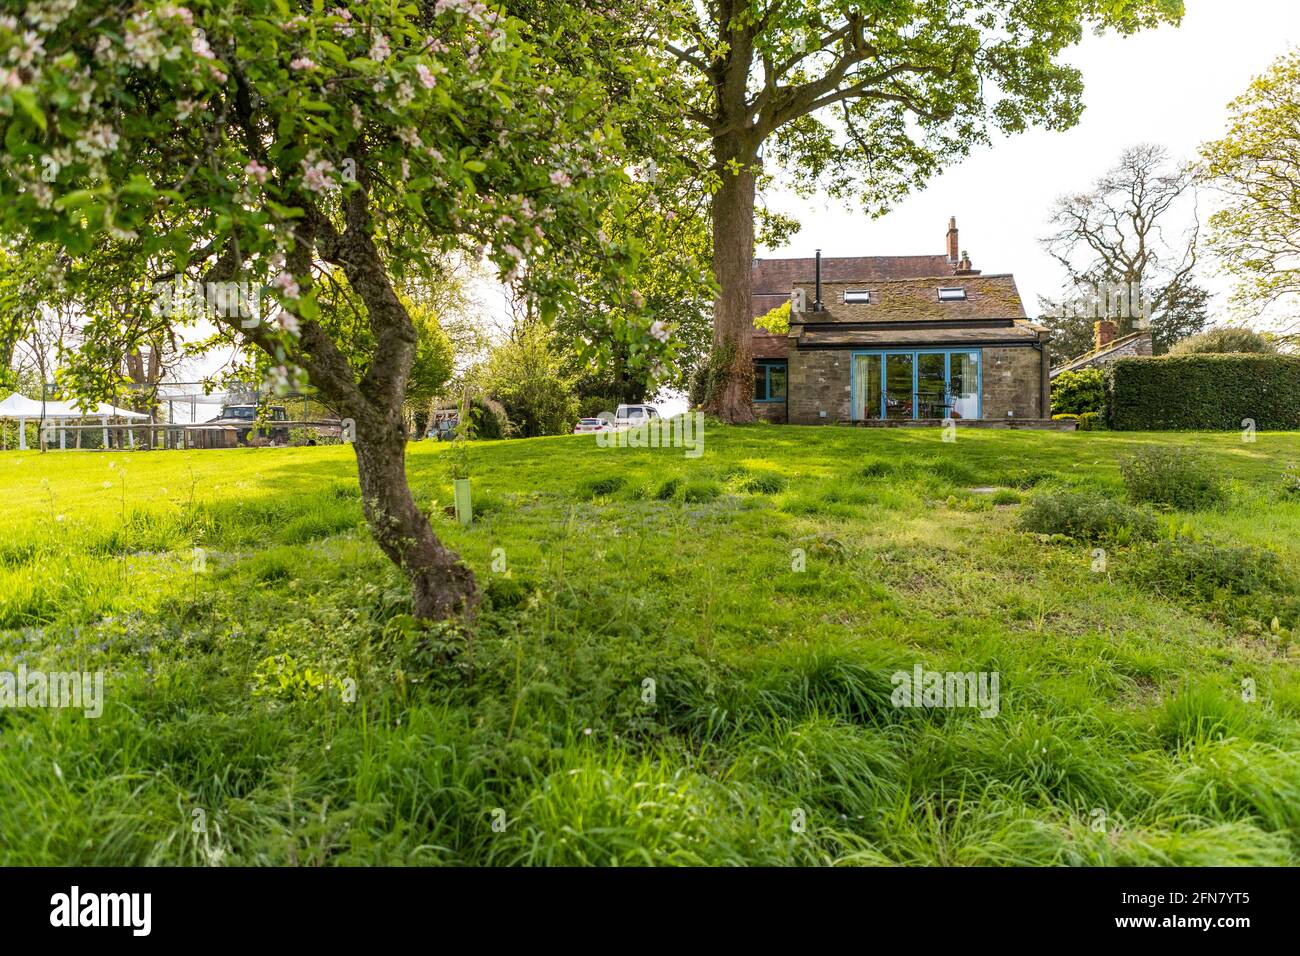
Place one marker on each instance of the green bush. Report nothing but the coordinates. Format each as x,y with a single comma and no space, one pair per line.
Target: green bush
1224,339
1077,392
1235,582
490,421
1171,477
1204,392
1087,516
1091,421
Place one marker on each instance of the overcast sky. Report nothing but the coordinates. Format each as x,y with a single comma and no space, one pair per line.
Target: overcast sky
1169,86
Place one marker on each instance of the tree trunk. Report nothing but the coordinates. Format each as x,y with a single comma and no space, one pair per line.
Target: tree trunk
733,256
442,585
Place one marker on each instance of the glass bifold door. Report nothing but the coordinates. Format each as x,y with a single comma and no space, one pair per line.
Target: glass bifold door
916,384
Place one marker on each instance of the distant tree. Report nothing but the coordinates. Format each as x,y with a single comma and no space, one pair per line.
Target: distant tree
1226,338
1255,167
1125,233
526,375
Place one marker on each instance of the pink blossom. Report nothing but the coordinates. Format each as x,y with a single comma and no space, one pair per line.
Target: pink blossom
561,178
199,45
303,63
657,329
379,49
427,79
256,170
317,175
287,284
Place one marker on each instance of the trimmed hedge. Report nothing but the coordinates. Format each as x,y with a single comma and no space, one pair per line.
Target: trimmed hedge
1205,391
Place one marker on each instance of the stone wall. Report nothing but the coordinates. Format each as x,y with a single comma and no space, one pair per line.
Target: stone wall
1012,382
819,383
774,412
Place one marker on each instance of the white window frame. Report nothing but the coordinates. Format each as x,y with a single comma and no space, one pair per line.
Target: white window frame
952,294
856,296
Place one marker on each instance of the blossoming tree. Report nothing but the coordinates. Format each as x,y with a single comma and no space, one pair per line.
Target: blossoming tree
256,146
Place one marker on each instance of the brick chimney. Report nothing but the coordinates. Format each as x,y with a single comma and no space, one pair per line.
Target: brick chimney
952,241
1103,332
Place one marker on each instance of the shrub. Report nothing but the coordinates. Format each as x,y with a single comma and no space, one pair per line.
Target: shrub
1225,338
1087,516
1204,392
489,418
1078,392
1171,477
1212,572
1291,481
1091,421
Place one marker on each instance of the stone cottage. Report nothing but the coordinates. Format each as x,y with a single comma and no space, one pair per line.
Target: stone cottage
894,339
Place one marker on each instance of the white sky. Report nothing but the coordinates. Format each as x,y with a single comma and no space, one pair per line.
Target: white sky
1169,86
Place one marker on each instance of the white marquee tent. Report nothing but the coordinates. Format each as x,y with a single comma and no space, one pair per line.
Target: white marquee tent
20,409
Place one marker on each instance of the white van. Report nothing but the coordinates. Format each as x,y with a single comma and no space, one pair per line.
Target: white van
634,416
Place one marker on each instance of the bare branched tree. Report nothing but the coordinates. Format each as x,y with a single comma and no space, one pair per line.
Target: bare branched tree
1136,227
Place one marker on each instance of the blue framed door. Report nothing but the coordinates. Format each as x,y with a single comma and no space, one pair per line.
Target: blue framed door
895,384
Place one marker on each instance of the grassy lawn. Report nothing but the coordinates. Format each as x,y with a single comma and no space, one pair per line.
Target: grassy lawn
651,680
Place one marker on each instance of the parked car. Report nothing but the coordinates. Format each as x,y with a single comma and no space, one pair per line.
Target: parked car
587,425
242,420
634,416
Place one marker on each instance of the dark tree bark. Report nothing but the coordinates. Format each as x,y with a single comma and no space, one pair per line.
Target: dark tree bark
442,586
736,141
733,326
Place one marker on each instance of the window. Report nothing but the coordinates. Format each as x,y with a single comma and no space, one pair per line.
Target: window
923,383
948,294
857,295
769,381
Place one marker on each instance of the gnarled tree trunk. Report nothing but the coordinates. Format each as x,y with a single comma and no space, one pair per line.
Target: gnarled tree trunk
441,584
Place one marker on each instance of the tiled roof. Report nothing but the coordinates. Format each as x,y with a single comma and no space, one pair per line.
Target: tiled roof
765,345
987,297
773,279
972,334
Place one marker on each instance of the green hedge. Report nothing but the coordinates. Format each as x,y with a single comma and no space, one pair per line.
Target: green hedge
1204,392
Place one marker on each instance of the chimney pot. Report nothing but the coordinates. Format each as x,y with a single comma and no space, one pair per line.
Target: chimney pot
952,241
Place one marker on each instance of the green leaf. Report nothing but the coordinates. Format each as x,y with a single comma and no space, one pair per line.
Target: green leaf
26,100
